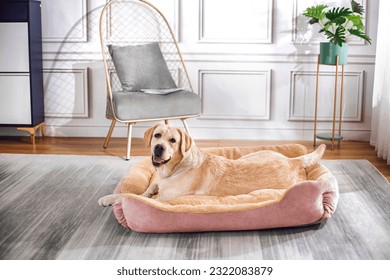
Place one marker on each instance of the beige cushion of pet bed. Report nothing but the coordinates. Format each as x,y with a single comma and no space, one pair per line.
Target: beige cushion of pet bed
312,200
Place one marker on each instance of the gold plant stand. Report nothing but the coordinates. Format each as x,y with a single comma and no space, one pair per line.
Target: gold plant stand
326,136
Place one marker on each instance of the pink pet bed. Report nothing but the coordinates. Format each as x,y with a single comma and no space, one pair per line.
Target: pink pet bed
310,201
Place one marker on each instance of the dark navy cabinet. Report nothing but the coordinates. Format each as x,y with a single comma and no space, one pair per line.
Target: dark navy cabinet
21,78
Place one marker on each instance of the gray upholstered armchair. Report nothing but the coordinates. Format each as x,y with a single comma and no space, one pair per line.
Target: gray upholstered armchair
141,60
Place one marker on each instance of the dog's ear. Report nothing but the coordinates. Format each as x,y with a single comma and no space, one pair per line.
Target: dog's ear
186,142
148,135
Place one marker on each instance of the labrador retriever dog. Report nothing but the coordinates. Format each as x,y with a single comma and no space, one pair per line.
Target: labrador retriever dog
183,169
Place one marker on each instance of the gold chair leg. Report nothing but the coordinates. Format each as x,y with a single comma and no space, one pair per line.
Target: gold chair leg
186,126
129,132
105,145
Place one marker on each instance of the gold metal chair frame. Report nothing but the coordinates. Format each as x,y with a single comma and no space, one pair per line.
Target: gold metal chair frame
131,123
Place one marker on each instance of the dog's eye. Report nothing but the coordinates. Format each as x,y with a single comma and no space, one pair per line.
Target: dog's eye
172,140
157,135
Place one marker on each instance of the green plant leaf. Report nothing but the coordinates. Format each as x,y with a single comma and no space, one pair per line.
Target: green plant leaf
360,34
338,37
357,21
334,21
336,14
357,8
316,13
340,20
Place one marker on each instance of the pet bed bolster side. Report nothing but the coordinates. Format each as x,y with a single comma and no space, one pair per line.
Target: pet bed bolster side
301,205
330,195
117,207
305,203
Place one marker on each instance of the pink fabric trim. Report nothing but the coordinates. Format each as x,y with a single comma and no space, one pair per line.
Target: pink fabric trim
117,207
329,201
119,215
302,205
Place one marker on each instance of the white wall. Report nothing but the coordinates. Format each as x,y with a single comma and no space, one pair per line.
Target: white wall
253,62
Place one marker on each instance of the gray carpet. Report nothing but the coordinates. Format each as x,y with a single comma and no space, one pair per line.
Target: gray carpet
48,210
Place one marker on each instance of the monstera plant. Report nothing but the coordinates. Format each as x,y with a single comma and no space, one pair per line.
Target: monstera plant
338,24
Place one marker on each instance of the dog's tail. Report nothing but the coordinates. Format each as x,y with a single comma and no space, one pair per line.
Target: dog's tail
310,159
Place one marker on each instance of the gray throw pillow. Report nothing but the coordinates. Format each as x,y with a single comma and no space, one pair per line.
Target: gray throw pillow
141,67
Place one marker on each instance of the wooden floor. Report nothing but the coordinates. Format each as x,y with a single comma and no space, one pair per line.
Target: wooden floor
117,147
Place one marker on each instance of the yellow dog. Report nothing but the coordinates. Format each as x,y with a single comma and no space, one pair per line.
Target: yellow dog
183,169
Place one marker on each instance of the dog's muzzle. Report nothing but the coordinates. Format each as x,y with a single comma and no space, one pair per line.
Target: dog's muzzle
157,159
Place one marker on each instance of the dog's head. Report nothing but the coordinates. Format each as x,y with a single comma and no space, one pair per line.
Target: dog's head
168,145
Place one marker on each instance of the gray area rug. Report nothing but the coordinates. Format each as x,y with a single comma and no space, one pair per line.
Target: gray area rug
49,210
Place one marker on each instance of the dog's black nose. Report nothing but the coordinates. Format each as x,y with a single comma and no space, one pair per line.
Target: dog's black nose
158,150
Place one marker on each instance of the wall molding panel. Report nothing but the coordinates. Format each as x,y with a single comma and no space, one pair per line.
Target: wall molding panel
302,96
59,26
253,27
66,93
169,8
235,94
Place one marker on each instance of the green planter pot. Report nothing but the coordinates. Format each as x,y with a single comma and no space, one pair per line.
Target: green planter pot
329,51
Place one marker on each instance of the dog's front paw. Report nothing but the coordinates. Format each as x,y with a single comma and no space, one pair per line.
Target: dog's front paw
107,200
147,194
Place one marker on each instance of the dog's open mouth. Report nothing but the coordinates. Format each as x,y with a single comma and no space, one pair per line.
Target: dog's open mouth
157,161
